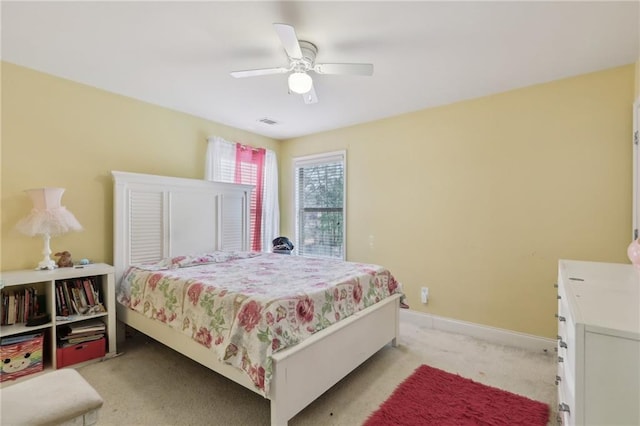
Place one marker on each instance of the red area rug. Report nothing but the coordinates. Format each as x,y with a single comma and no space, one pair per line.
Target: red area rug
434,397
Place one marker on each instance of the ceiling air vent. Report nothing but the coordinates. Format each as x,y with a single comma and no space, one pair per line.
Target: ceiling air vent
268,121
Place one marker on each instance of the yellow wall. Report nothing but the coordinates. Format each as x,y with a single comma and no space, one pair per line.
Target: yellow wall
478,200
638,79
59,133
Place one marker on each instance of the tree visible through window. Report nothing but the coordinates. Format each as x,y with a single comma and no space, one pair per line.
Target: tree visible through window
320,195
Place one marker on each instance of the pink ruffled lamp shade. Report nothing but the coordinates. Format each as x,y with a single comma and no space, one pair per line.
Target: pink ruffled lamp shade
48,217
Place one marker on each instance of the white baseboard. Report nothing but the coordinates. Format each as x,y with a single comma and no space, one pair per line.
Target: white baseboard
490,334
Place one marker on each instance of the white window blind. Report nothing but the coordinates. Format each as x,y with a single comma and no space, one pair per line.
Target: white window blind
320,205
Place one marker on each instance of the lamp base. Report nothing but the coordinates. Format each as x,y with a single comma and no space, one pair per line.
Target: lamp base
47,264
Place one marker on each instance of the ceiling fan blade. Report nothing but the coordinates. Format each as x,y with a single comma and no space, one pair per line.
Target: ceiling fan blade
310,97
352,69
289,40
263,71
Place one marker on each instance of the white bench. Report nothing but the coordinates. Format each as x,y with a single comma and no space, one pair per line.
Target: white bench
61,397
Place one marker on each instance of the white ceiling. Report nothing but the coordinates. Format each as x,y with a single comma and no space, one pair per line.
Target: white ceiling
179,54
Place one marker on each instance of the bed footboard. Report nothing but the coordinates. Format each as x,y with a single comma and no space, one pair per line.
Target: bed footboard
302,375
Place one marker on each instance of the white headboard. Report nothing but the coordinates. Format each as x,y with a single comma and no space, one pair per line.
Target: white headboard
160,216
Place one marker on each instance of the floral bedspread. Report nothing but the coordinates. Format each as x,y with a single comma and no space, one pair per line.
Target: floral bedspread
246,306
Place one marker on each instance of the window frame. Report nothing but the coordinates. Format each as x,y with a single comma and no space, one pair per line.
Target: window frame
318,159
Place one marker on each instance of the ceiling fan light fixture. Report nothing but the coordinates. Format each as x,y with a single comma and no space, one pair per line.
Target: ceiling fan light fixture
300,82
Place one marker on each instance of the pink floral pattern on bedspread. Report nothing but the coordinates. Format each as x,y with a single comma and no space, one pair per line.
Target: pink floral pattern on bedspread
249,306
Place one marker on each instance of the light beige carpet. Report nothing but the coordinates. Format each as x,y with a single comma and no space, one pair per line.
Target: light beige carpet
150,384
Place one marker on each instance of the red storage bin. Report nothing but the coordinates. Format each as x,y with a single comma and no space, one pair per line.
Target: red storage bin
81,352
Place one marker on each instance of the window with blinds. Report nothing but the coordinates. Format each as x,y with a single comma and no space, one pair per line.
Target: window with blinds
320,205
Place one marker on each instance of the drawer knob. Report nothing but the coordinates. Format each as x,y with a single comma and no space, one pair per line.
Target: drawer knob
564,407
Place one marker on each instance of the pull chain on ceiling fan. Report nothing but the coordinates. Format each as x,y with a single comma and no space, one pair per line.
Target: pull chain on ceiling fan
302,58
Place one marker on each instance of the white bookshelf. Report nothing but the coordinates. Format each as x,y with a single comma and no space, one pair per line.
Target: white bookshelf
45,281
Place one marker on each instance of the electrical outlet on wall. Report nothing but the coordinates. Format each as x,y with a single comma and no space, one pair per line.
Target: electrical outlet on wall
424,294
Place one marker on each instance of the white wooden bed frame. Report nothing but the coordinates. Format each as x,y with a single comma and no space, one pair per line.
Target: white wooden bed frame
157,216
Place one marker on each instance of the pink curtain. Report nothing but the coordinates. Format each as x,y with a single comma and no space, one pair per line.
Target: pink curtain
249,170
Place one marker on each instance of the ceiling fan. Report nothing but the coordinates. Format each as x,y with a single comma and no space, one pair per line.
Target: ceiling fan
302,60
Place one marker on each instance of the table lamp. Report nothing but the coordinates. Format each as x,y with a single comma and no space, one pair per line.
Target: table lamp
47,218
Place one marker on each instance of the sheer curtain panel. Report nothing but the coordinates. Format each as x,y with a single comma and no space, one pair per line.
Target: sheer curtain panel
236,163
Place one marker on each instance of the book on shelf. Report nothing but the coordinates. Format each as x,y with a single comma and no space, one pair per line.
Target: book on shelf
84,326
12,309
67,336
80,295
64,293
62,307
88,289
80,339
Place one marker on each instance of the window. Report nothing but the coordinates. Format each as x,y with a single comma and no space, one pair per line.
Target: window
237,163
320,205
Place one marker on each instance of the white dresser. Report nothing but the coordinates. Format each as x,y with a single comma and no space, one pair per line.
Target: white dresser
598,344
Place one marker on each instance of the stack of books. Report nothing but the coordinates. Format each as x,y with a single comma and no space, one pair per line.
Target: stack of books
80,332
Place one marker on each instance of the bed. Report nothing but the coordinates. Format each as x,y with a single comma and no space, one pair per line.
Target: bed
161,222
